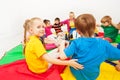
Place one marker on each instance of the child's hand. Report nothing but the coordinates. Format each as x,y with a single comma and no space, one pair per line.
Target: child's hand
118,25
75,65
98,25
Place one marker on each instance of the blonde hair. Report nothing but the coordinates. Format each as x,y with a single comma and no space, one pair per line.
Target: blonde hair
85,24
27,25
106,19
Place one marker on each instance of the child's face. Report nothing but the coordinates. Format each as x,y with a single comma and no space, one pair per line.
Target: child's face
37,28
57,22
48,24
71,16
105,24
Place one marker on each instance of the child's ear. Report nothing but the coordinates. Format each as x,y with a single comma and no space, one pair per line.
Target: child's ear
30,30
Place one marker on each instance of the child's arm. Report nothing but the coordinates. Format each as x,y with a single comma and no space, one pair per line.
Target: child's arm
116,26
72,63
61,50
49,41
98,25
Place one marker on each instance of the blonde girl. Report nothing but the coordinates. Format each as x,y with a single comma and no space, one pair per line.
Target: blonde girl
36,56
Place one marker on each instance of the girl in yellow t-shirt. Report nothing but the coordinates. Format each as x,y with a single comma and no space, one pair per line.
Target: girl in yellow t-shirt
35,53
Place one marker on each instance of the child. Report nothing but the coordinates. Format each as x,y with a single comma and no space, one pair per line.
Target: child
48,27
89,51
35,54
110,29
70,22
57,25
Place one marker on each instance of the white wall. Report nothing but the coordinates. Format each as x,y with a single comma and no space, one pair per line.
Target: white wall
14,12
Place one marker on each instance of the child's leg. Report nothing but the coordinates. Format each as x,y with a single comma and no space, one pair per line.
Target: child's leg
67,74
117,65
112,63
71,30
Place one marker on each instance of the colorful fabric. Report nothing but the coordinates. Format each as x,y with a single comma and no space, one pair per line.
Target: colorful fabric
33,51
107,72
67,75
19,71
110,31
90,52
12,55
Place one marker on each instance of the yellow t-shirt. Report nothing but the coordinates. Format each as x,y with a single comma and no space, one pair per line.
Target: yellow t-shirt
72,25
33,52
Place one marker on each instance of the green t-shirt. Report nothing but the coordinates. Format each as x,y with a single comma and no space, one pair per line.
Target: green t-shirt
110,31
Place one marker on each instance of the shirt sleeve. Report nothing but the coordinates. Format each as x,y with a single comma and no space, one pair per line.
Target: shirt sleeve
64,22
70,50
112,52
39,48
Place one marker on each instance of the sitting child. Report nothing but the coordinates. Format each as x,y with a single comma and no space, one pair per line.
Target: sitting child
36,56
48,27
70,22
57,25
110,29
48,38
89,51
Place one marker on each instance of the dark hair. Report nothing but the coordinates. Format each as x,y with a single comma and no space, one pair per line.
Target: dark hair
71,12
57,19
46,21
106,19
85,24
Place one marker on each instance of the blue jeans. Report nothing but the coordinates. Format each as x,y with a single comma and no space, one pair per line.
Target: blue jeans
71,30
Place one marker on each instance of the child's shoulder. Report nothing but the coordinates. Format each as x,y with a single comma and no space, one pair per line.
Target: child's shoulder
89,42
83,39
34,39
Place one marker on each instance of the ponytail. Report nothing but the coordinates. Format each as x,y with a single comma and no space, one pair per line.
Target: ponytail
26,26
28,23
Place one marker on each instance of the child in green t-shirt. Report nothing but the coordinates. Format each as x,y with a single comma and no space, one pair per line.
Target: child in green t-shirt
110,29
